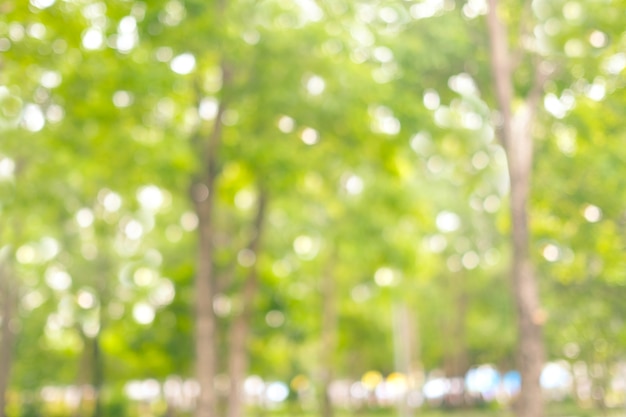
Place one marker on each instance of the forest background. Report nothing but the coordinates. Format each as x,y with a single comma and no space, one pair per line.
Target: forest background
308,191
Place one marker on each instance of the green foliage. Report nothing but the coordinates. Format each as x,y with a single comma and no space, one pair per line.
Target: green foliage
367,132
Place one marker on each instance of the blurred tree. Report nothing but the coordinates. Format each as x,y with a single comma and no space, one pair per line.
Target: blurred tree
7,336
516,130
140,133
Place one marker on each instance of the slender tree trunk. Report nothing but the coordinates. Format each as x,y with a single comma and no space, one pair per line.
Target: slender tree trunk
206,344
203,196
518,143
404,350
7,336
205,326
329,338
238,360
456,357
82,376
97,357
529,317
98,376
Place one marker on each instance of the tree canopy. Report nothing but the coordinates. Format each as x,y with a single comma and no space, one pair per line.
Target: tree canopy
358,141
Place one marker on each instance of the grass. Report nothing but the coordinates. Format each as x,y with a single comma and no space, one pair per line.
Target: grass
567,409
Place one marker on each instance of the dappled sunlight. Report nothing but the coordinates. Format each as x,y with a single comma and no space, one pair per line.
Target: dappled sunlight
133,230
10,107
491,204
57,278
596,91
615,63
551,253
151,197
483,384
385,73
164,54
480,160
598,39
309,136
145,277
431,99
421,143
93,39
110,200
143,313
566,139
592,213
246,258
384,121
127,37
42,4
32,300
448,221
7,168
436,243
361,293
307,247
353,184
230,117
314,85
173,13
183,64
222,305
429,8
122,99
470,260
50,79
286,124
292,206
386,277
208,108
189,221
163,293
39,252
463,84
33,118
574,48
275,318
474,8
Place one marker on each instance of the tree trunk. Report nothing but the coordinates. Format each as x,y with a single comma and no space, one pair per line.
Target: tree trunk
205,320
404,340
203,196
83,375
97,357
329,339
238,360
98,376
517,139
456,357
206,344
7,336
531,354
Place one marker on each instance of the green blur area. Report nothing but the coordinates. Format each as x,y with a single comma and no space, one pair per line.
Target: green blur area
552,410
371,128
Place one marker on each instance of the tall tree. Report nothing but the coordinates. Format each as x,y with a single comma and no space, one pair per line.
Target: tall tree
203,192
516,130
7,313
240,331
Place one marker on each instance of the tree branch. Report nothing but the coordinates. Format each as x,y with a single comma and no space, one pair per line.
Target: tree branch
501,69
524,30
542,74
